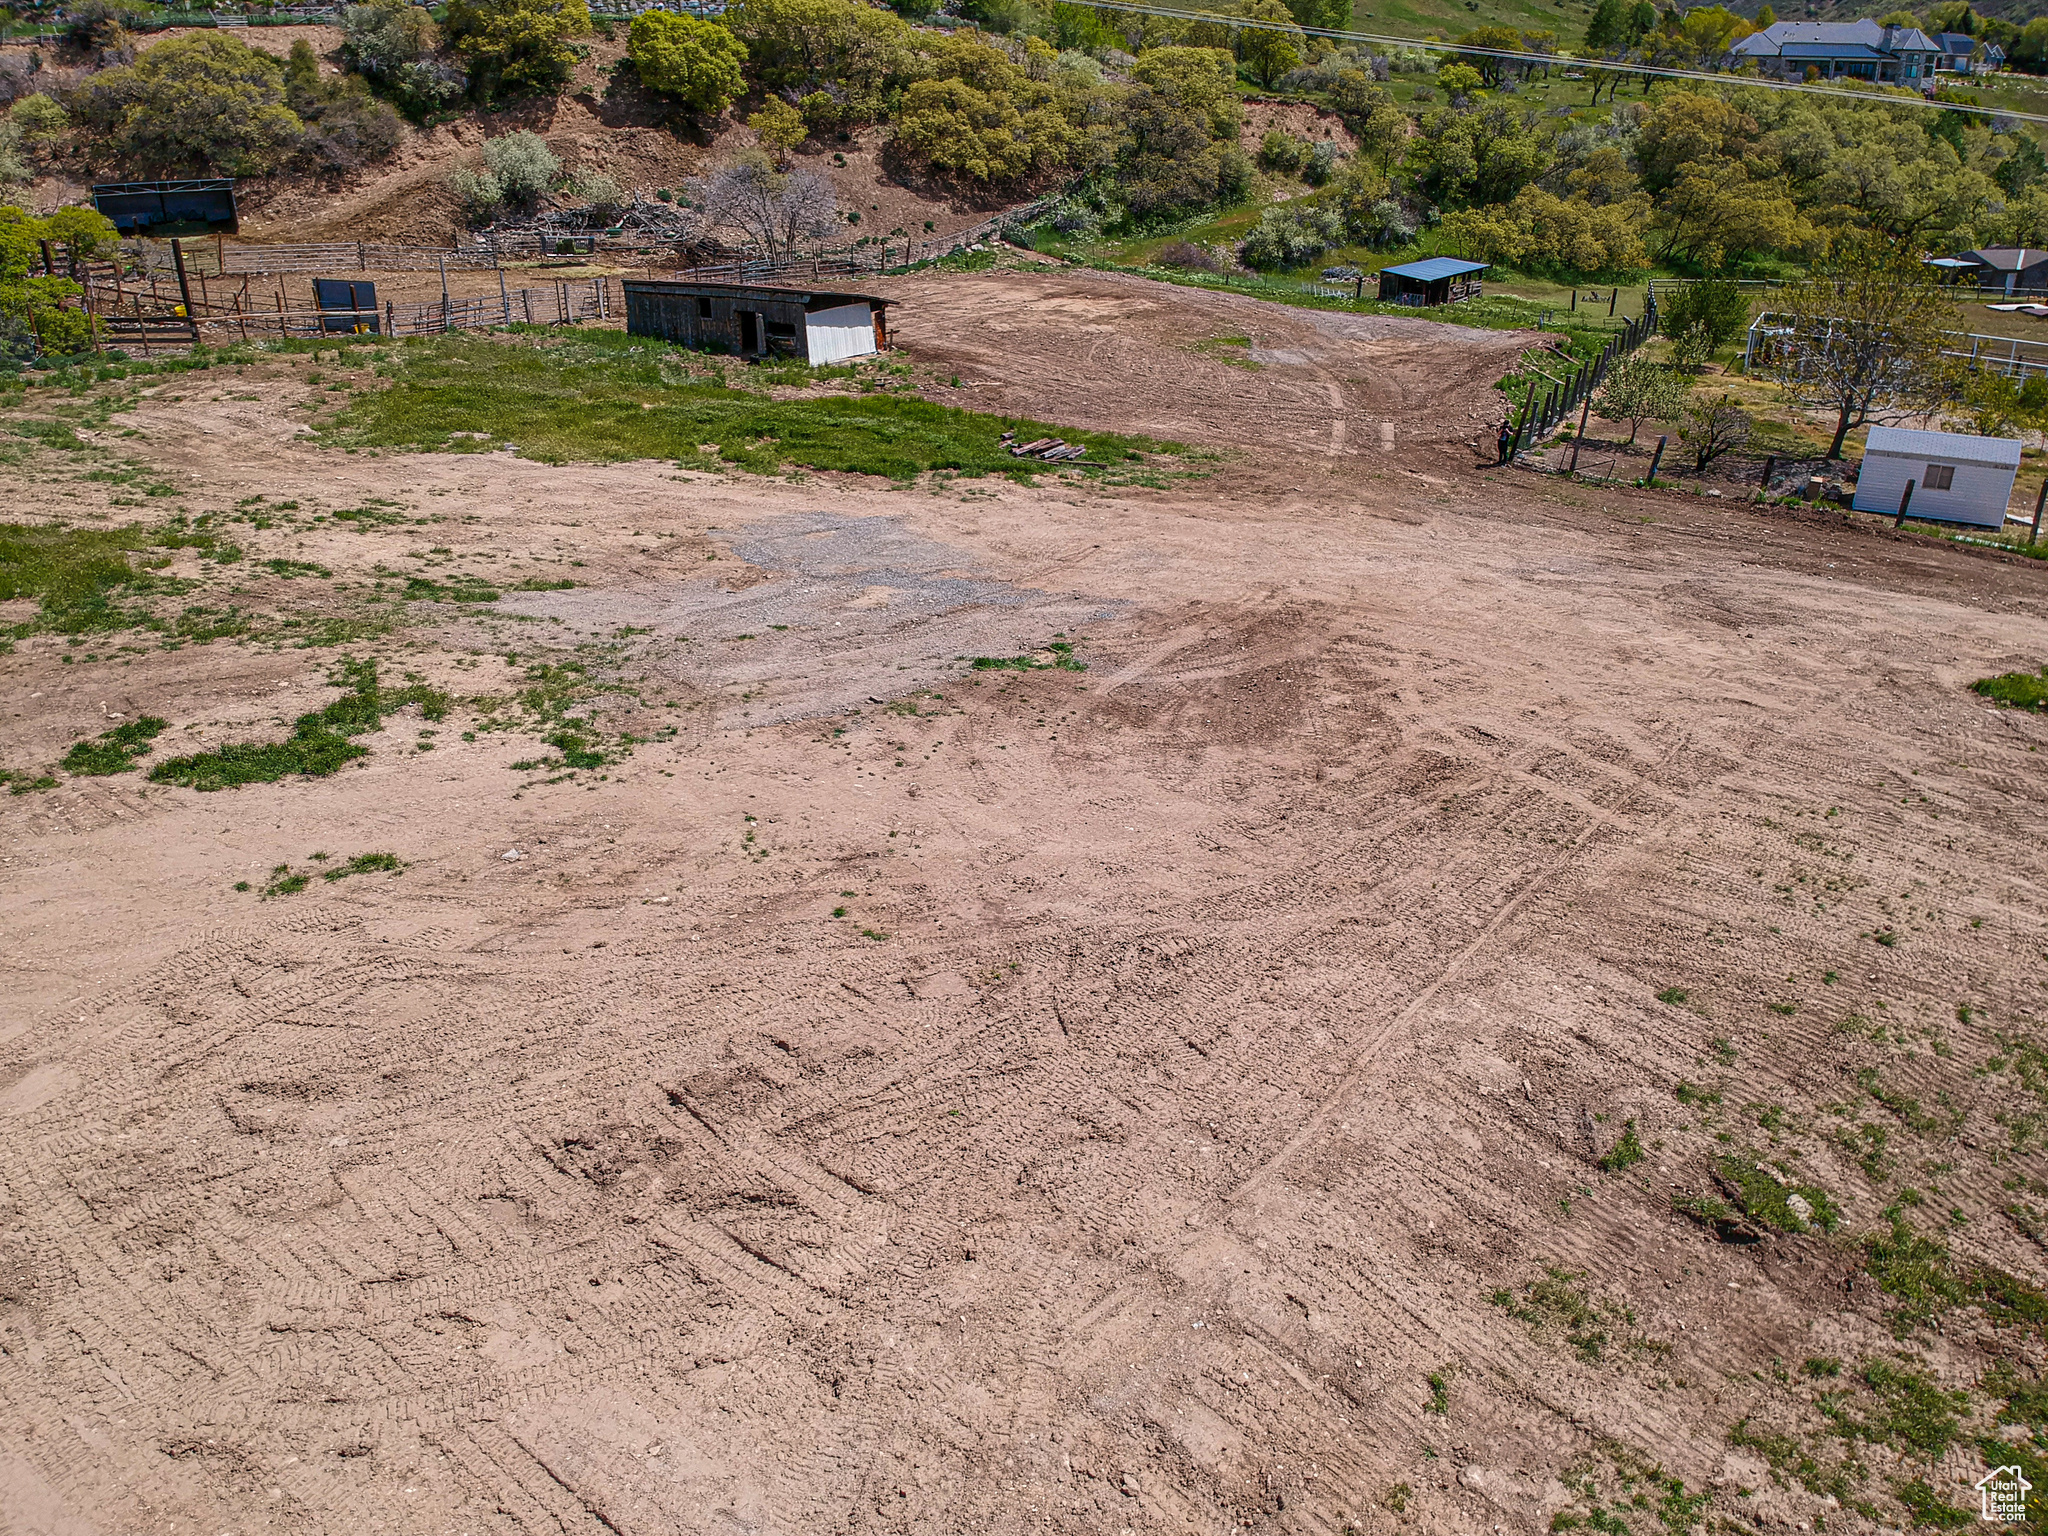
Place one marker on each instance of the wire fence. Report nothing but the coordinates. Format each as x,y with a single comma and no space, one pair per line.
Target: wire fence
1540,413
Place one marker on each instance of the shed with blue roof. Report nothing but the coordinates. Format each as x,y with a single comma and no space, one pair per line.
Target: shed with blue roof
1439,280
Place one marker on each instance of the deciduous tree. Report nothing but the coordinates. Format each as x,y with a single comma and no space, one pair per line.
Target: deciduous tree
1637,390
1865,337
694,61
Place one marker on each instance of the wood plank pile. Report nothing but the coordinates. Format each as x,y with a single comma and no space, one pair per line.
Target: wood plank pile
1052,450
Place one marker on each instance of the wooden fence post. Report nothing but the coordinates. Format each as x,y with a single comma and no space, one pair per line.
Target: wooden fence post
184,289
504,298
1905,501
1656,459
1770,464
2039,501
1584,411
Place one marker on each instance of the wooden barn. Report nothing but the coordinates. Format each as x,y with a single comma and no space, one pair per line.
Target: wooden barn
758,322
1438,280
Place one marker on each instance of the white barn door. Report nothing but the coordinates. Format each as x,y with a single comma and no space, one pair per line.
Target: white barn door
834,335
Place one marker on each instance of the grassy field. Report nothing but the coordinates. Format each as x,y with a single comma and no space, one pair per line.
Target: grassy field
601,396
1567,19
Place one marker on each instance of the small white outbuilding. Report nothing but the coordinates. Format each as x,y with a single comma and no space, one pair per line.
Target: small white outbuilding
1956,479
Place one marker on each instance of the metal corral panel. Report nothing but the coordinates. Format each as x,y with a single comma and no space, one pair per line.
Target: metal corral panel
834,335
1981,472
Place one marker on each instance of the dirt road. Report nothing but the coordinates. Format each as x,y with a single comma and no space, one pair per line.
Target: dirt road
1162,1097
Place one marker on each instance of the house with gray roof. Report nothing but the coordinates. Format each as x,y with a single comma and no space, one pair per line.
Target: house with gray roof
1841,50
2011,268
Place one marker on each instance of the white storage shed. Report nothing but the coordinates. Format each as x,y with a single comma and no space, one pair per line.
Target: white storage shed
1956,479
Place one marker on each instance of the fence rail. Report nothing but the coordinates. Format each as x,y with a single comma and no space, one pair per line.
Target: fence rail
1774,339
133,319
219,259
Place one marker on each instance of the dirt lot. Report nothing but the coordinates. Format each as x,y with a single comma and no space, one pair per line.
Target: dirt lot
1166,1097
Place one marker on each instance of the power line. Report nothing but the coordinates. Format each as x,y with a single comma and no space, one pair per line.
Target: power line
1616,66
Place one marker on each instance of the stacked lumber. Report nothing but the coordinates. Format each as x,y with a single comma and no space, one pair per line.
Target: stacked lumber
1052,450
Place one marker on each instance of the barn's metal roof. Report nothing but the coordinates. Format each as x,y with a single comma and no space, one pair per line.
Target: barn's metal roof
1436,268
808,297
1951,447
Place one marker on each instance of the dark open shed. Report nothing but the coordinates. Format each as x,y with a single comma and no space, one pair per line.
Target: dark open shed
1439,280
163,209
758,322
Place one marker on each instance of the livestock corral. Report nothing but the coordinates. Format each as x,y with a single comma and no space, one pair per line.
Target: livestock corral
1295,980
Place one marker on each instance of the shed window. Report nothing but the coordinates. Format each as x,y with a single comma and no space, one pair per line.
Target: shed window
1939,477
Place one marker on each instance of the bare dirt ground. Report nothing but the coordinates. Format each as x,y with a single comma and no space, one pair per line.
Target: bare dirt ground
1188,1122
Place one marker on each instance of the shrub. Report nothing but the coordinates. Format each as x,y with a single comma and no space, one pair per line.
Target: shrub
780,126
1321,164
393,42
1458,79
97,25
1281,151
345,124
201,104
13,168
1712,428
598,191
696,62
1718,309
41,121
85,233
1541,231
1190,257
523,165
804,44
477,193
380,37
517,47
1292,236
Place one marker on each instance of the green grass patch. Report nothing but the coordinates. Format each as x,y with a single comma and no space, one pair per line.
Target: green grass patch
464,589
1061,652
1772,1202
1439,1392
113,751
320,743
1924,1282
72,573
364,864
1907,1411
1555,1304
2015,690
20,783
1625,1153
602,396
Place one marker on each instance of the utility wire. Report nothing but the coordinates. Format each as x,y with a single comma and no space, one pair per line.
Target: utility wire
1617,66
